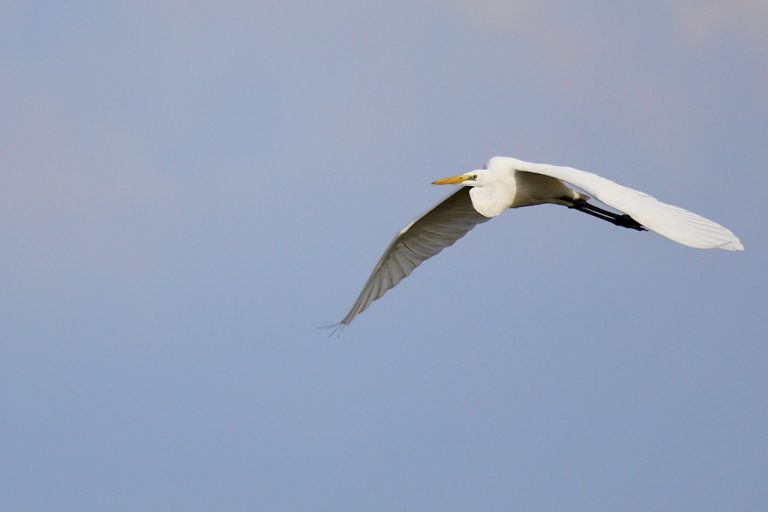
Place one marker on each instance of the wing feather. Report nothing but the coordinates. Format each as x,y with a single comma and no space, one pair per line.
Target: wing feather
437,229
665,219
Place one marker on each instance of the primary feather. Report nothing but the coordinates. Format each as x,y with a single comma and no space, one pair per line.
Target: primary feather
426,236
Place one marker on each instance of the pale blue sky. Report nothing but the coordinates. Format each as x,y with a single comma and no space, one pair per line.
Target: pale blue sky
190,188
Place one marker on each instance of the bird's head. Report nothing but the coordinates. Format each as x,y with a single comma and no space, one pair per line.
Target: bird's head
468,179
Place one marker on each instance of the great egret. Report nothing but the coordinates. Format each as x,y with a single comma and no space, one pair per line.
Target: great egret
512,183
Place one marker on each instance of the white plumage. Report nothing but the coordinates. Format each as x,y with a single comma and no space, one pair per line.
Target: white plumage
512,183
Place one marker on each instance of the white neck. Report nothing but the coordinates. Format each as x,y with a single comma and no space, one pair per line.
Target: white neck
494,193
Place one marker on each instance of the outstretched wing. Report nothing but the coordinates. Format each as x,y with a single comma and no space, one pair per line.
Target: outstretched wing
665,219
417,242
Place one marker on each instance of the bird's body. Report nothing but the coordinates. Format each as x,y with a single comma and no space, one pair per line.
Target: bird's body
512,188
511,183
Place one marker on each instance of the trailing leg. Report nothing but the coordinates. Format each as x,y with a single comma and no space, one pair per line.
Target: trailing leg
616,219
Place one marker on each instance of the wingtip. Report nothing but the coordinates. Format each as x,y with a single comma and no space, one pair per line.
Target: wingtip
334,328
734,245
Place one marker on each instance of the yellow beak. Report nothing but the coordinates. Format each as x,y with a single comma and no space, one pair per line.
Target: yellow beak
455,180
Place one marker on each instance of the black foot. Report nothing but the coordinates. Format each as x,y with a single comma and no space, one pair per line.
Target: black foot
626,221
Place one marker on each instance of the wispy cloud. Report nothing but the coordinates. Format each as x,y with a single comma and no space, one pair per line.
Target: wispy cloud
79,193
701,22
500,14
591,73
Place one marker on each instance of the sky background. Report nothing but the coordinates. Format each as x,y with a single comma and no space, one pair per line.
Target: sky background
188,189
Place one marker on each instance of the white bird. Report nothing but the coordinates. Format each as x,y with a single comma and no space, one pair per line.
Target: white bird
512,183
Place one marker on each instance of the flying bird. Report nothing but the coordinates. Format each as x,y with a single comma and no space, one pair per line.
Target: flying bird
511,183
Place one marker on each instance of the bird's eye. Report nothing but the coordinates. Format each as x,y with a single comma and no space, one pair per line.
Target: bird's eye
473,177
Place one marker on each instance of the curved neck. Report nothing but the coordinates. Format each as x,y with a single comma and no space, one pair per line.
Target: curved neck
494,193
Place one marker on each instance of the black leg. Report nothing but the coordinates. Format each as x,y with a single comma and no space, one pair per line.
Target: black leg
622,220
